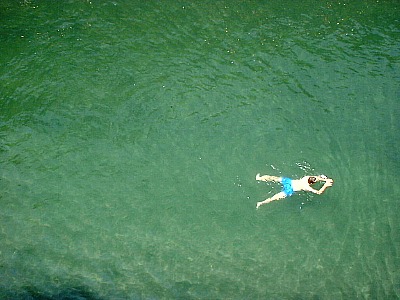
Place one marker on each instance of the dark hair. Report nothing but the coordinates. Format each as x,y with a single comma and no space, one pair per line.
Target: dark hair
312,180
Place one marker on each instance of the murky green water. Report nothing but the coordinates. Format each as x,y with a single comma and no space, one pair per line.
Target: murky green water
131,133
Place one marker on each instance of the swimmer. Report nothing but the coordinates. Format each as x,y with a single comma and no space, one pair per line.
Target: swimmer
294,185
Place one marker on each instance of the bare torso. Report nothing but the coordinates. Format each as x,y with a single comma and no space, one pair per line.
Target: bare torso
301,184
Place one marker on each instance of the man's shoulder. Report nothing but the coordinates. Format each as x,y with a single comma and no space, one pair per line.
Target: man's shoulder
301,180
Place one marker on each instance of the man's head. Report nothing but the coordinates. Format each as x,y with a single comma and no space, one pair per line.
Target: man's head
312,180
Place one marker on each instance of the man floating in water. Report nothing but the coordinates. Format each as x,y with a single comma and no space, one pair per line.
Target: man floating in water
294,185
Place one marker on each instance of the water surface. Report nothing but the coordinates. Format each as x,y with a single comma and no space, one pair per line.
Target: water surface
131,134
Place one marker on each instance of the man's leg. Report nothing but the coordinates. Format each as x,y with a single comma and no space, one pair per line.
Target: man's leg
268,178
278,196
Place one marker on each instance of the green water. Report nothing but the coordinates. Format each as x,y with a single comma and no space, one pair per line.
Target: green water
131,133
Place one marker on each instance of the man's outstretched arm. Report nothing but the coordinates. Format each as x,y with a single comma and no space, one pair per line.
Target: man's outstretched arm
328,183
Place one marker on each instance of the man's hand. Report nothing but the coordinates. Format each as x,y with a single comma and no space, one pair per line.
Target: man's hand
329,182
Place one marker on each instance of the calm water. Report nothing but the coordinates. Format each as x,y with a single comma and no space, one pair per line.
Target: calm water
131,133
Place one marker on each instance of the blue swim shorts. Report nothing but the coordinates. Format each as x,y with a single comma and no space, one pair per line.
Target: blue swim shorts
287,186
